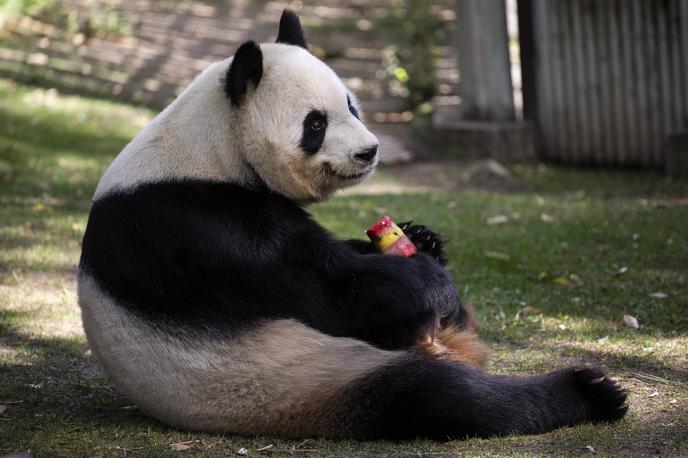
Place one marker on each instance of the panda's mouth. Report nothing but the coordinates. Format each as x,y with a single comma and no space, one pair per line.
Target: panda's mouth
327,167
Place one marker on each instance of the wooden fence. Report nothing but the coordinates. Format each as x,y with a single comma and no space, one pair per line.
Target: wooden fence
605,80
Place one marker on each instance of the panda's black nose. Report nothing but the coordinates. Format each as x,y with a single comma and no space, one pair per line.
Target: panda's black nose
367,154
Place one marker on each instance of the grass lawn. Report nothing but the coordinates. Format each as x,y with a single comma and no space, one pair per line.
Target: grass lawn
551,284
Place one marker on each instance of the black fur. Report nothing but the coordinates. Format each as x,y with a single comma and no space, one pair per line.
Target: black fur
290,30
246,66
426,240
424,397
312,137
219,258
225,257
352,108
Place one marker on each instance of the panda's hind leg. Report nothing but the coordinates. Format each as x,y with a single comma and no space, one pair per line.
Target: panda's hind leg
422,396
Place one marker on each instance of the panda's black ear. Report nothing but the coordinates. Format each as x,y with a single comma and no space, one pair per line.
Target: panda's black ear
247,66
290,30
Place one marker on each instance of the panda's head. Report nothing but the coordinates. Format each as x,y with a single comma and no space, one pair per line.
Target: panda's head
300,128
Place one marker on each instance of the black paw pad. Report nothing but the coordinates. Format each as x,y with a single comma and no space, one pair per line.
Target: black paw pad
607,399
426,241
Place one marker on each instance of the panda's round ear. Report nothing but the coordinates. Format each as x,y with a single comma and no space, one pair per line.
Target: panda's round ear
246,66
290,30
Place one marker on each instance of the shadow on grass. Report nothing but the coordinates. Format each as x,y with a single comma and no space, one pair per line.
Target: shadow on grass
53,376
631,363
54,157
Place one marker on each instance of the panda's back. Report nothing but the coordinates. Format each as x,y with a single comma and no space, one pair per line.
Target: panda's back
202,252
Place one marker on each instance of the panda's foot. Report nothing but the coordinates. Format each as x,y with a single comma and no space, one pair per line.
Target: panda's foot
425,240
605,397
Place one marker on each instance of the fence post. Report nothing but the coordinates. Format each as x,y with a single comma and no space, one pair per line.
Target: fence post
482,121
486,91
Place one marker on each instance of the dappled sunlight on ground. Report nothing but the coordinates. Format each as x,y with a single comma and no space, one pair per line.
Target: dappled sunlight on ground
552,262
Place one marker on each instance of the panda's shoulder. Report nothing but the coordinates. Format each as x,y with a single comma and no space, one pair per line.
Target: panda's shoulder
179,199
194,214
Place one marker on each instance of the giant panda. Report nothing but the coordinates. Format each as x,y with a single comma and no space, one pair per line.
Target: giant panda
216,303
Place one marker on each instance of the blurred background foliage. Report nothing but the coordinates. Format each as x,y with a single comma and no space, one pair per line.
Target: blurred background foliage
405,35
13,9
413,31
95,19
416,32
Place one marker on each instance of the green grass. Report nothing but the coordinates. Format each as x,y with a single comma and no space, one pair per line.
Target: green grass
580,248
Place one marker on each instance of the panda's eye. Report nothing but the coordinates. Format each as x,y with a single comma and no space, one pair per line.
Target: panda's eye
317,124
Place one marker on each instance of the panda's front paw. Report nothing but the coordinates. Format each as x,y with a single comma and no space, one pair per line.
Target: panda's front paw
605,397
426,241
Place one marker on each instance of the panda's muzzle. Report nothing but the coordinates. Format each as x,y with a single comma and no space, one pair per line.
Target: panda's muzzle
367,155
327,167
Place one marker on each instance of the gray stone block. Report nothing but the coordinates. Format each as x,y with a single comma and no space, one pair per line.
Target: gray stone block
676,155
508,141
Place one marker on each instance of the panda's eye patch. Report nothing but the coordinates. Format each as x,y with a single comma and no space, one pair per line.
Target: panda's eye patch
352,108
314,127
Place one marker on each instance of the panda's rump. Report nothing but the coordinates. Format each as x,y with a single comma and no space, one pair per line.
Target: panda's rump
279,377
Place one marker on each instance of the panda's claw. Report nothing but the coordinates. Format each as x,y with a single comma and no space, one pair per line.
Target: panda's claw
426,241
607,399
405,225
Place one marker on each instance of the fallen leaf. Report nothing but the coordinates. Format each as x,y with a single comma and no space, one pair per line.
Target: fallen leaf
528,310
653,394
497,219
621,271
2,408
673,401
305,441
542,275
561,280
659,295
497,255
631,322
546,218
39,207
186,445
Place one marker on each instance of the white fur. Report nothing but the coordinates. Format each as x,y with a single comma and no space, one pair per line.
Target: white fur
279,379
201,135
282,377
294,83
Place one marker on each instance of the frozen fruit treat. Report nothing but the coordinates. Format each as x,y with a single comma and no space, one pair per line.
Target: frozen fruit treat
390,239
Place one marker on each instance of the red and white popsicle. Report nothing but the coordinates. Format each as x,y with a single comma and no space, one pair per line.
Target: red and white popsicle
390,239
